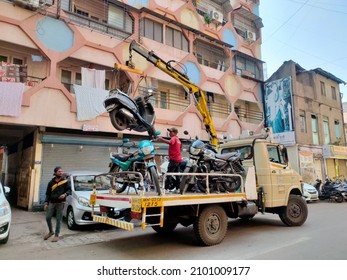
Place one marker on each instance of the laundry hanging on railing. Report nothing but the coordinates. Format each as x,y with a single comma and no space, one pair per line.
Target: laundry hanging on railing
11,95
89,102
93,78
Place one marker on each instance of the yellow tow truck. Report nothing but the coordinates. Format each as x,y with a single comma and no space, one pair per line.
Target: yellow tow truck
269,184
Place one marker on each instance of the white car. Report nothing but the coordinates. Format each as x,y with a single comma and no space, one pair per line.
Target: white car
77,209
310,193
5,215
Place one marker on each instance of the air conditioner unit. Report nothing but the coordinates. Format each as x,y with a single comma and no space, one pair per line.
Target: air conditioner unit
32,4
216,16
250,36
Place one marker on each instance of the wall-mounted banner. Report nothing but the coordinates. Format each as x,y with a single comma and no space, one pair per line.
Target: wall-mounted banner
279,110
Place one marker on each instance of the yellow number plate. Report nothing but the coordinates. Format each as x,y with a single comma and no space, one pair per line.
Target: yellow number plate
136,205
92,199
152,202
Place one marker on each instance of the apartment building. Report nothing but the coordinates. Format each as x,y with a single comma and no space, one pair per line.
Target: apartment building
304,109
57,65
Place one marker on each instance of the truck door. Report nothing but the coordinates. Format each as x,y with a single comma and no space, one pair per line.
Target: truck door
280,175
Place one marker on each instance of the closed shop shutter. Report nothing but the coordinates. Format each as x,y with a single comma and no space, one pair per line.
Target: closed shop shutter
342,168
70,158
330,168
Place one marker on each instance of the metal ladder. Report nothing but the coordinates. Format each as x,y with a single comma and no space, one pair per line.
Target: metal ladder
144,223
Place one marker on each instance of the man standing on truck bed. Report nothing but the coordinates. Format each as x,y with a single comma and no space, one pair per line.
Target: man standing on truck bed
175,158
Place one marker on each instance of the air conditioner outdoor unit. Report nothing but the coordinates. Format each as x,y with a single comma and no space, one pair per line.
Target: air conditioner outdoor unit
216,16
33,4
250,36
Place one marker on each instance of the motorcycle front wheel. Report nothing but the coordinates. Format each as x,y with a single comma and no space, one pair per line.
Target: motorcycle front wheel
116,183
118,120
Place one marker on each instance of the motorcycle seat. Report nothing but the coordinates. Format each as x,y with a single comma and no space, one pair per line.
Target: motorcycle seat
121,157
227,155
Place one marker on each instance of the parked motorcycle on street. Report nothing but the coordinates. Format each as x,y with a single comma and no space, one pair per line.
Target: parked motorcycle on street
328,191
142,160
204,158
133,114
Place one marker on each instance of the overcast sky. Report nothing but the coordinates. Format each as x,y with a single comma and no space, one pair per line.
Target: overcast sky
312,33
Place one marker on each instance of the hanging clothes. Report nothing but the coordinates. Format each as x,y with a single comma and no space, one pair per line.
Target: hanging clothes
93,78
11,96
89,102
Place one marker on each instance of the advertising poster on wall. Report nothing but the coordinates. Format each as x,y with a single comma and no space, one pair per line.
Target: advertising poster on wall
278,110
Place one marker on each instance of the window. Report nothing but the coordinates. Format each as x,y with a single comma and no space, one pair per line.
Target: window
175,38
275,155
322,88
337,130
210,55
3,58
68,78
247,66
163,100
315,138
326,130
302,121
333,93
245,151
153,30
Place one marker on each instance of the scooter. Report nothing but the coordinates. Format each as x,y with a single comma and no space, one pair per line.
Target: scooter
328,191
133,114
141,161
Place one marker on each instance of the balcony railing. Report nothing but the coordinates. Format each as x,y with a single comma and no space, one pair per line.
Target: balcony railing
96,25
250,116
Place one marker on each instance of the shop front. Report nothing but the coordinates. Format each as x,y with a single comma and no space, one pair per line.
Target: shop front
335,158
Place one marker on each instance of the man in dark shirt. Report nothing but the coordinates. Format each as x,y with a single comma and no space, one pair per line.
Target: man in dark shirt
56,193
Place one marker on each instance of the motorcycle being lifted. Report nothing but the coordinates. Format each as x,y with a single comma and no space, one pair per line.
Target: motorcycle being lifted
205,159
133,114
328,191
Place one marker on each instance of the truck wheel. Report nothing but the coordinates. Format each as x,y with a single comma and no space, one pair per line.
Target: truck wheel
211,225
295,213
154,177
166,229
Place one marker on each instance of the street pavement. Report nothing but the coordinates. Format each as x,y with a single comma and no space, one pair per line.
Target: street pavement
29,228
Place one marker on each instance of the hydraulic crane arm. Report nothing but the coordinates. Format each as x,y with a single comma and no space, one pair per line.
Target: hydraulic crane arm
199,95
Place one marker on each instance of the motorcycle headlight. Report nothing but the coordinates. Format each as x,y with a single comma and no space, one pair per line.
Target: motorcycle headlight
194,151
146,150
83,201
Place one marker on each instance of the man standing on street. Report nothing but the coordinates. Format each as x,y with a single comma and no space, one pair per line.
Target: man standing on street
175,158
56,193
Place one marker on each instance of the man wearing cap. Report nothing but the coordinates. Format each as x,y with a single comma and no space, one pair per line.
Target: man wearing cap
175,157
56,193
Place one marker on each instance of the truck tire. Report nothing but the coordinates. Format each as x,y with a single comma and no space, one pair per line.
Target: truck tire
166,229
117,185
211,225
154,177
295,213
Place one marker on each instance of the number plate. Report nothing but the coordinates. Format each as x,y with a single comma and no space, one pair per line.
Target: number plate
92,199
136,205
152,202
